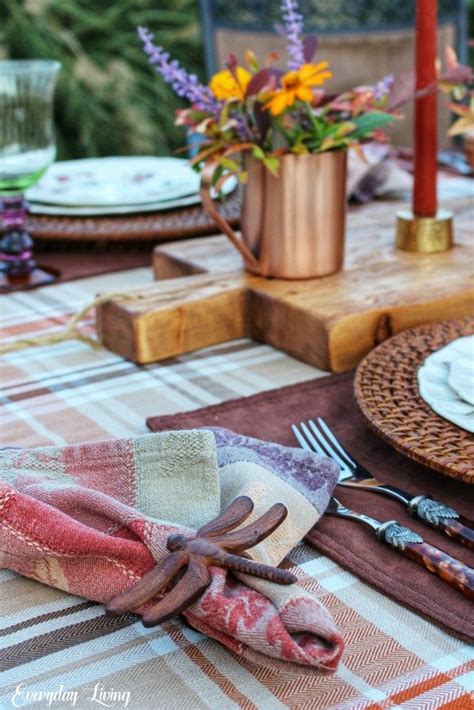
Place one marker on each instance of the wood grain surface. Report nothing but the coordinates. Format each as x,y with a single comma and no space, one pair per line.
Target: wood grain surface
204,297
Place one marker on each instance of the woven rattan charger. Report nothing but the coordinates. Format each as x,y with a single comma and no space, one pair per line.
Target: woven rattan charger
386,388
172,224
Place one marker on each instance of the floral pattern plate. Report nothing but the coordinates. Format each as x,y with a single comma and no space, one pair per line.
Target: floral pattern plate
115,182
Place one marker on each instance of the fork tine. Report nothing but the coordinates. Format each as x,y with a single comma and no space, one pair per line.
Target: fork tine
310,442
300,438
329,450
314,443
336,443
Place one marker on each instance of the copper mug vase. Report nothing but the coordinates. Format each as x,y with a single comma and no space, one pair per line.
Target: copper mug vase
292,225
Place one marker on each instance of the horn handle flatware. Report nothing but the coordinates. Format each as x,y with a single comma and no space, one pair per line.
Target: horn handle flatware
412,545
458,529
441,517
432,512
461,530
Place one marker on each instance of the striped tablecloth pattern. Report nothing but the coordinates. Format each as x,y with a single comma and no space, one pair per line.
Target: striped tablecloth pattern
59,651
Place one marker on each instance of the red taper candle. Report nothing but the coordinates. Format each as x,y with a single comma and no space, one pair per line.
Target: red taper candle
426,143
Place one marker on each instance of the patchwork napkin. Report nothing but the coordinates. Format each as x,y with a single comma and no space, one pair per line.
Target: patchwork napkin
92,519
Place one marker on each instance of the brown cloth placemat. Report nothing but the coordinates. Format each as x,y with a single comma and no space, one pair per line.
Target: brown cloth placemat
79,247
80,261
268,415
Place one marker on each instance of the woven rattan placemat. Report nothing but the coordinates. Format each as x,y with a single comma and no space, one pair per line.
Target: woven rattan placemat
386,388
172,224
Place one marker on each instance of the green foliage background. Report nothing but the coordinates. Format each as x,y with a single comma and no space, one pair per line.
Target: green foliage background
109,101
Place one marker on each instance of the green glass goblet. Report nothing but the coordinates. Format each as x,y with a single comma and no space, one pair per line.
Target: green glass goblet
27,148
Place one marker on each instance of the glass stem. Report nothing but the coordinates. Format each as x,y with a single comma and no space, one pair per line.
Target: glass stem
16,245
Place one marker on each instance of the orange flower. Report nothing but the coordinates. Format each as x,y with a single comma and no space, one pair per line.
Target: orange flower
226,86
297,85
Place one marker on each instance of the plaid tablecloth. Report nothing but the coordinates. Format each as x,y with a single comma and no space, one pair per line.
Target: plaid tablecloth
59,651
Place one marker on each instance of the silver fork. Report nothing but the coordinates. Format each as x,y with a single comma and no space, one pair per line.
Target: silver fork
319,437
406,541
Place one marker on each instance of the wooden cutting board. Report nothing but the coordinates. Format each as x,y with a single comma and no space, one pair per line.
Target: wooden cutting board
204,297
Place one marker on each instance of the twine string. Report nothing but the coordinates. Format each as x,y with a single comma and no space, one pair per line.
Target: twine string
70,332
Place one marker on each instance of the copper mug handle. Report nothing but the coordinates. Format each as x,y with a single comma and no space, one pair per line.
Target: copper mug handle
250,260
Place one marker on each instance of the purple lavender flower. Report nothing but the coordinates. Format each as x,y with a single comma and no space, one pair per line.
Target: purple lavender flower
382,87
293,28
185,85
242,128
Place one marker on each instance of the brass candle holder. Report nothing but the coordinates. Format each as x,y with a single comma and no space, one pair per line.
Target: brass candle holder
426,235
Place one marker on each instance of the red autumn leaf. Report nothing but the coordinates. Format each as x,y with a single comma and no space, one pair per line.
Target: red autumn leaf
232,64
318,96
460,74
263,79
380,136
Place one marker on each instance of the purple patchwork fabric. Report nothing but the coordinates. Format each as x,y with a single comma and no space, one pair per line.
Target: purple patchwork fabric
312,475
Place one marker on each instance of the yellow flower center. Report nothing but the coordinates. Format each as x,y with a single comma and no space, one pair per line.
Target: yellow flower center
298,85
291,81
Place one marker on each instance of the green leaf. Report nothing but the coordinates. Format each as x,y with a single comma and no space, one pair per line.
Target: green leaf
368,122
327,144
299,148
257,152
229,164
217,174
272,164
345,128
224,116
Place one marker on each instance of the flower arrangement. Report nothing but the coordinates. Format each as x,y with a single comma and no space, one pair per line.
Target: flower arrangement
266,111
456,81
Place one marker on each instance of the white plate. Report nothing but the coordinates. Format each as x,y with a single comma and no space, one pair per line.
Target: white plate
39,208
117,182
446,382
461,378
